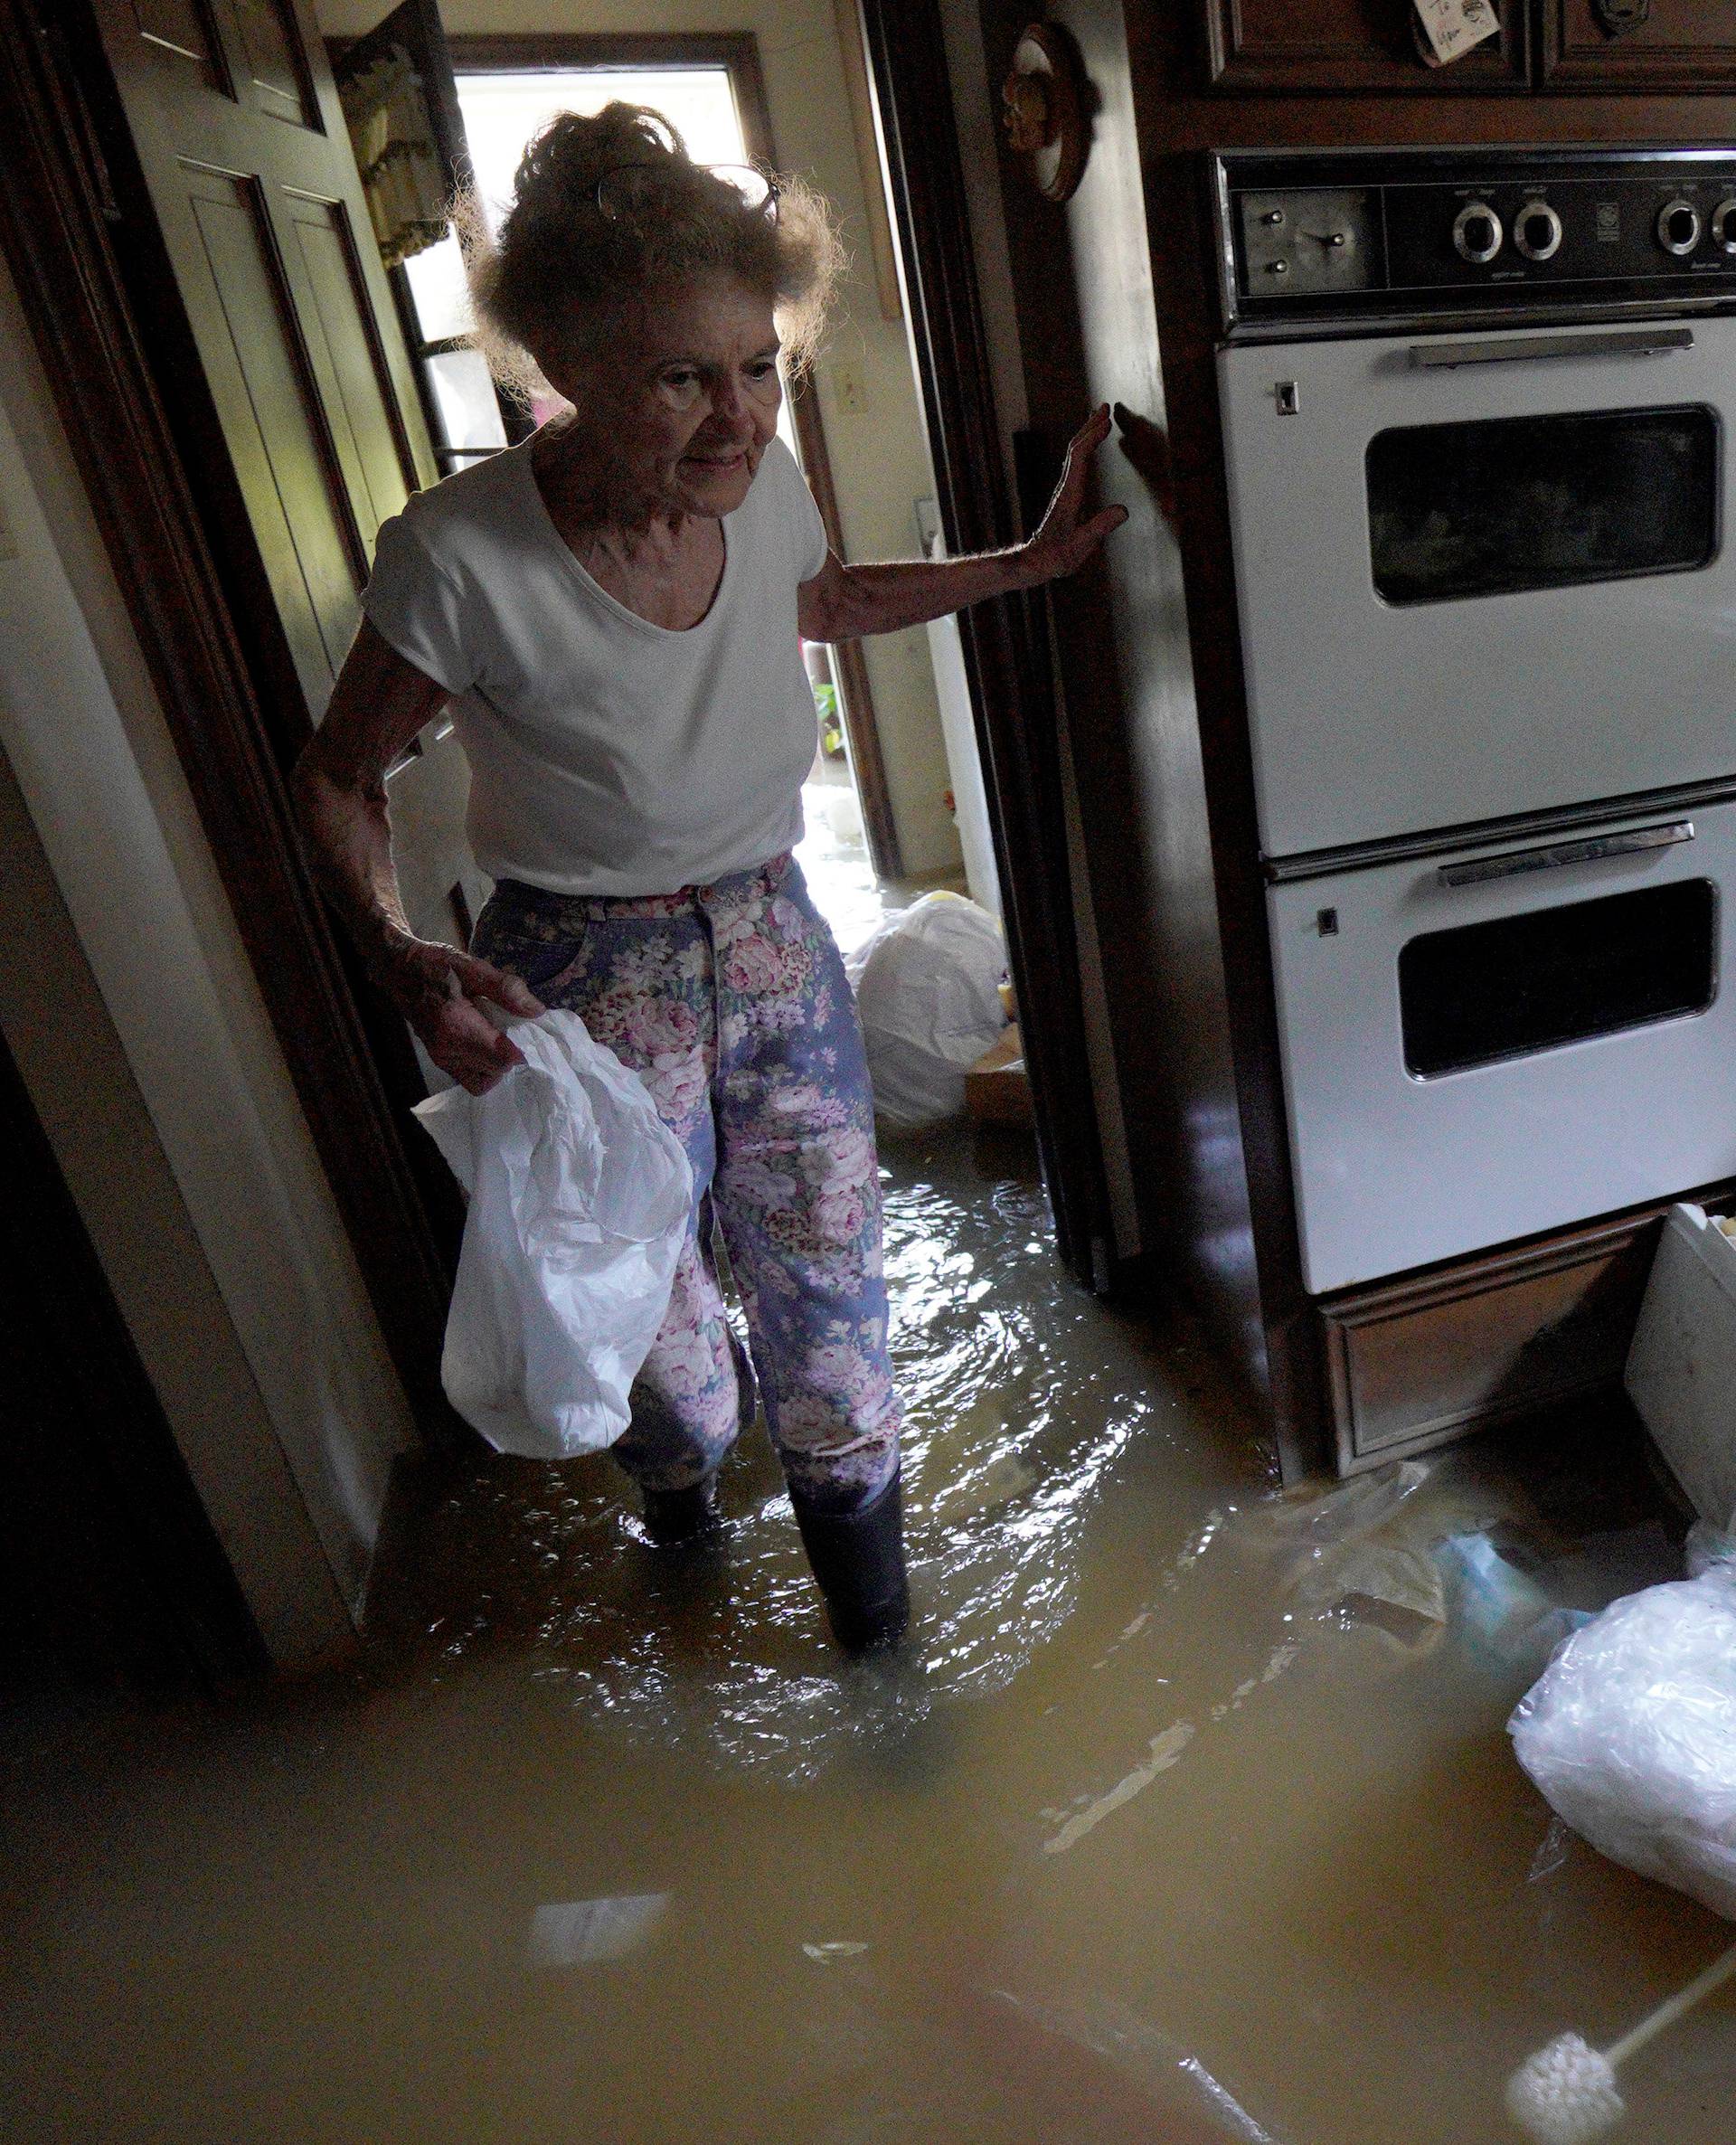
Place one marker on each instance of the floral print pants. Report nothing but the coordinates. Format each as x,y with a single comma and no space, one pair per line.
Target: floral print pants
731,1003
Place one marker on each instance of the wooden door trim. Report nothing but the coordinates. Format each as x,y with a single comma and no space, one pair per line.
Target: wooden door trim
738,53
61,204
563,52
1005,642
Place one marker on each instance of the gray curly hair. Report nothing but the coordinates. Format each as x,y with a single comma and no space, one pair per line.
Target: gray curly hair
553,279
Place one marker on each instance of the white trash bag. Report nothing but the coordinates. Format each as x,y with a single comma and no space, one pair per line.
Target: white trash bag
1630,1733
928,990
579,1202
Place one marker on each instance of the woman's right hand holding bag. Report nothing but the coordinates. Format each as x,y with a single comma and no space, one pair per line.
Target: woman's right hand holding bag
443,995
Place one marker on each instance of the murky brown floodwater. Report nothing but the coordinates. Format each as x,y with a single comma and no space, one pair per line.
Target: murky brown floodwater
1186,1816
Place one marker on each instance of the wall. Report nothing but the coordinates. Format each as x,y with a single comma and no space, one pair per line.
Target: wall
1168,952
993,190
1070,308
139,1027
879,460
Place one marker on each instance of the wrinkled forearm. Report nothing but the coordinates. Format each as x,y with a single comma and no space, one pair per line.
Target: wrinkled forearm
886,598
377,707
346,834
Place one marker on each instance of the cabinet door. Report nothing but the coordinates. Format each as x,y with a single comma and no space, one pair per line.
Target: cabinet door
1357,44
1684,45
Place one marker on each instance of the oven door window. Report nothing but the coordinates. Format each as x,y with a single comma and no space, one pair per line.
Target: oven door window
1483,992
1501,504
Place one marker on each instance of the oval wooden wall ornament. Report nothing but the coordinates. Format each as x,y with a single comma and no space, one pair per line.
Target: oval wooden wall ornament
1045,115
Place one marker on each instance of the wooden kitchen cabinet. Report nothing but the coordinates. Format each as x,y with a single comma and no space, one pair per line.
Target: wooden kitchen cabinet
1261,45
1683,46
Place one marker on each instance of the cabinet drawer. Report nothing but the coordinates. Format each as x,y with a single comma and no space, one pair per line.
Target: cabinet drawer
1436,1355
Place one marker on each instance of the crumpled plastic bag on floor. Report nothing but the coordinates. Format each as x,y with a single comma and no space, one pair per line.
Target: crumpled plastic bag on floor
928,991
579,1205
1630,1733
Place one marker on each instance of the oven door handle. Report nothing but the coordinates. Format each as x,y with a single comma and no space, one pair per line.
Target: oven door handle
1609,342
1554,856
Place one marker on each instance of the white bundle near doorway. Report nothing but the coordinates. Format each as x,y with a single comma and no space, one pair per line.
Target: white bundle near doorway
928,986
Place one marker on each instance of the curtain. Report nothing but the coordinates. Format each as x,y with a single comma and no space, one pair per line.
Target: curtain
393,135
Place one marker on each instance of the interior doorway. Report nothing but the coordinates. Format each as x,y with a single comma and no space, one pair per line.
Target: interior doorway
196,430
872,119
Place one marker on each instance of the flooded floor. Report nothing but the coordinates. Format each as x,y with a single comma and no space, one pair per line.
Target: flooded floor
1187,1814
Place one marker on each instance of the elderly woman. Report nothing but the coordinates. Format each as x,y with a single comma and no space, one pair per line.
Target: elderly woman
614,609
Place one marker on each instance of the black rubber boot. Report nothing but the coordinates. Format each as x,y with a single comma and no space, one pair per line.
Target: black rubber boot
858,1559
675,1517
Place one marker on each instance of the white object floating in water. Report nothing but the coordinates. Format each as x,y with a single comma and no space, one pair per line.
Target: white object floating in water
1566,2092
824,1954
587,1931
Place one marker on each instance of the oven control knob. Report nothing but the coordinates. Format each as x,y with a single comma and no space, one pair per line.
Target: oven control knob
1678,228
1537,232
1724,226
1476,232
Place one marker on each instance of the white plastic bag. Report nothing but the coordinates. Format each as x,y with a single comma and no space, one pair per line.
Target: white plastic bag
579,1202
1630,1733
928,989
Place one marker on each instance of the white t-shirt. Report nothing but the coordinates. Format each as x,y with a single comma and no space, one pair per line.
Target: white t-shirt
607,755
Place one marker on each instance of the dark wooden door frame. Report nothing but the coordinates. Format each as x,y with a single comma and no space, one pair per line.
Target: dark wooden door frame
77,230
1005,643
738,53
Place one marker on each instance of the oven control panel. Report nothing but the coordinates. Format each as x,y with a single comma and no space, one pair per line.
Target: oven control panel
1337,236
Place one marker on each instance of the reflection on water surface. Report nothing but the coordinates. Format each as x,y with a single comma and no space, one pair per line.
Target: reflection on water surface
1188,1813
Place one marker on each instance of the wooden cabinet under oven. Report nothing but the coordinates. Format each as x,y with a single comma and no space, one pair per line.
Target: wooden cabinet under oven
1418,1361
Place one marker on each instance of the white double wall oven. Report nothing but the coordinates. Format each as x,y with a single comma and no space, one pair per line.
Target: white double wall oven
1487,594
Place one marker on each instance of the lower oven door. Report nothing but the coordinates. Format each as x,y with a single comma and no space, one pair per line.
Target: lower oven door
1508,1039
1482,576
